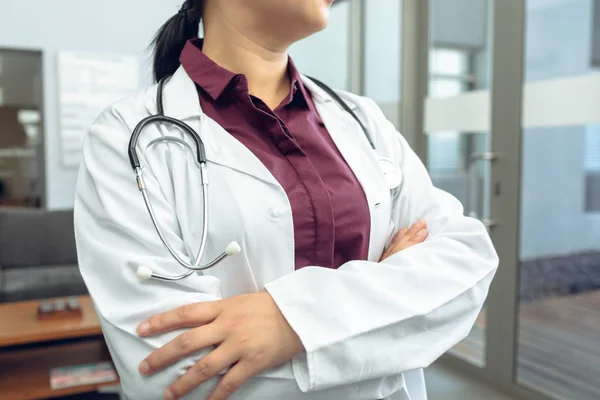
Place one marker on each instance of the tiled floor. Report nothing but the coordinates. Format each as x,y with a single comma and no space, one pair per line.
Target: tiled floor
446,384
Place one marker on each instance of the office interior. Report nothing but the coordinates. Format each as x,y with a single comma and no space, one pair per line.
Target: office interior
499,98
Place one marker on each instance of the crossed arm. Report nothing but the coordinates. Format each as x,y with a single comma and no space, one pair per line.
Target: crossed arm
426,297
250,333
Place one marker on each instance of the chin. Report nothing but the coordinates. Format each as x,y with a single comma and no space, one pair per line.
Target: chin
319,21
310,17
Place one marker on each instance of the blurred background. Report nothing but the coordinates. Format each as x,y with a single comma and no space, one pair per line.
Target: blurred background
500,99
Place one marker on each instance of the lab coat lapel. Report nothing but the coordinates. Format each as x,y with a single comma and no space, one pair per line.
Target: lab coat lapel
181,102
362,159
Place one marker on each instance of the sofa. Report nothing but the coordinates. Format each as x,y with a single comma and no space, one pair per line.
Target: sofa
38,258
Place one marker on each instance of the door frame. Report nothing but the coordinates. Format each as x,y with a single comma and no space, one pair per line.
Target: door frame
507,29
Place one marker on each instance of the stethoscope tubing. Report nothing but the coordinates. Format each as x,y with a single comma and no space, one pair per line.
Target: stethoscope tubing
194,266
161,118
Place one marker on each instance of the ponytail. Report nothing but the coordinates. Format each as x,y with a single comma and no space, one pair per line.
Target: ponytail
172,37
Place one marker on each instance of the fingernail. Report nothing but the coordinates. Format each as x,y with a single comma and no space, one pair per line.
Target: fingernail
422,233
167,395
144,328
144,368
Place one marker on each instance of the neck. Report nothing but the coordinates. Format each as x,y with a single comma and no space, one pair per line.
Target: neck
264,66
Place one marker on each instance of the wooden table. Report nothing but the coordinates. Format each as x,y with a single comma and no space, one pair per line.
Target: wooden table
30,348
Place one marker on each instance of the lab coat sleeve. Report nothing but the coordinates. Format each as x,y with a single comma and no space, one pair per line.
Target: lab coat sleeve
114,235
368,320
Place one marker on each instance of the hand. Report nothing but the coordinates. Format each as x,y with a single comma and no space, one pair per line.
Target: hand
406,238
250,333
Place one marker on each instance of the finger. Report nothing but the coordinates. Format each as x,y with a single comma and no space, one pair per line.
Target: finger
420,236
404,240
207,368
416,227
233,380
183,345
385,255
188,316
404,243
399,236
403,237
396,244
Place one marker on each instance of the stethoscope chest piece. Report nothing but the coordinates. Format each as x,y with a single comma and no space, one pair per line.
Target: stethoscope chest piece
391,173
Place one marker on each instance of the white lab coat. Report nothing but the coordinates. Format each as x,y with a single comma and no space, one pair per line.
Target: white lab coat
368,328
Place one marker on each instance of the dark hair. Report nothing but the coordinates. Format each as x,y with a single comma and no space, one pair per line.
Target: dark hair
172,37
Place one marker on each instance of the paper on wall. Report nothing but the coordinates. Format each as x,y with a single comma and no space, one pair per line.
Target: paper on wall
88,83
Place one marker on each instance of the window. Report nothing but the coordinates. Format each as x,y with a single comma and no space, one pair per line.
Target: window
448,76
592,149
591,167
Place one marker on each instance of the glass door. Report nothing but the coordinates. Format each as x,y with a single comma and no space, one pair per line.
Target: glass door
513,131
558,335
458,147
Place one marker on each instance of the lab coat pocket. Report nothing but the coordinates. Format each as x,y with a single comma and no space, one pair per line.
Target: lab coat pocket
235,274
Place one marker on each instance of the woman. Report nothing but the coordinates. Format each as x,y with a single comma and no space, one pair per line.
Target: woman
312,308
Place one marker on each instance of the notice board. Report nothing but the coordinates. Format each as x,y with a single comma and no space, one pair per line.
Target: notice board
87,84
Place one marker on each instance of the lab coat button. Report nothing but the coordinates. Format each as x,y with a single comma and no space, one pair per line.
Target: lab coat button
276,213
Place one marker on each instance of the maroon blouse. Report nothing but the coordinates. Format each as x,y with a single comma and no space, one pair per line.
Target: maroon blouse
329,208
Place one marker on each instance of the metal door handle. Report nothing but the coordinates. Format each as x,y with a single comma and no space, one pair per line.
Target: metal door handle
475,159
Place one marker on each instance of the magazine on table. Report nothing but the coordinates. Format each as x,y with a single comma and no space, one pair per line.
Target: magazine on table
81,375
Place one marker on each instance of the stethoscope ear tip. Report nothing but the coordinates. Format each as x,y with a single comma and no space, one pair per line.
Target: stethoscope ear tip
144,273
233,248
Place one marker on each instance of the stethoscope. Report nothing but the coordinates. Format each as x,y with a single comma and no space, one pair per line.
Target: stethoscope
389,169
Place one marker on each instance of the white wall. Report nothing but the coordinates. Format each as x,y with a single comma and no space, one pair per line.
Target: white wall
104,26
325,55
